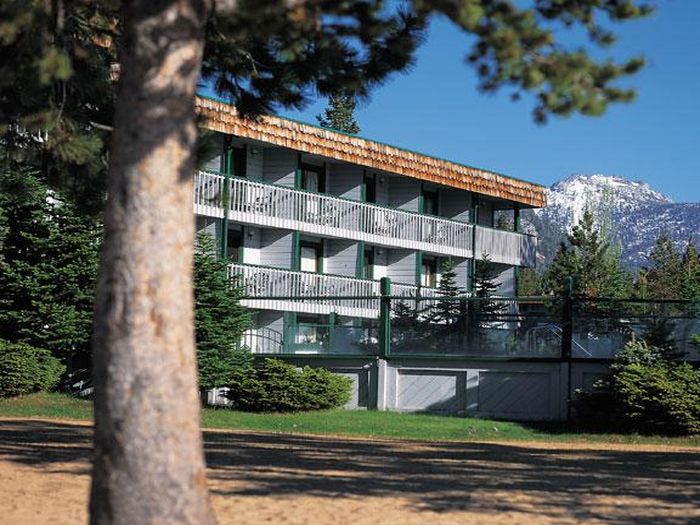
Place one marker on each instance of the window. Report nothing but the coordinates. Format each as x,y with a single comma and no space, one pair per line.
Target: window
310,257
239,162
368,264
234,244
430,202
370,182
428,273
310,330
313,178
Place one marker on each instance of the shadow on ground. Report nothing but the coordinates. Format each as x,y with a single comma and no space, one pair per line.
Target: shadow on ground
573,483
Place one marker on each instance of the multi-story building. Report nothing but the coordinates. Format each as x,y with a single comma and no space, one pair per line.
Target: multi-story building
312,212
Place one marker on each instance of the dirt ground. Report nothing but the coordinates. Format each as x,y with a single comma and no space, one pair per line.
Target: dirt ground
269,478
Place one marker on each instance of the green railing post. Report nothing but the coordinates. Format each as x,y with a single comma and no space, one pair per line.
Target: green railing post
228,163
475,222
385,317
567,337
332,321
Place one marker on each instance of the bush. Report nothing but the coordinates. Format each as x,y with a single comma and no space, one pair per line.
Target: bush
646,393
25,369
276,386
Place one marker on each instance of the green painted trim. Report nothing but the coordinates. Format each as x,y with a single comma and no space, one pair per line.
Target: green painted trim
321,259
296,251
385,317
241,246
363,186
228,156
419,269
360,263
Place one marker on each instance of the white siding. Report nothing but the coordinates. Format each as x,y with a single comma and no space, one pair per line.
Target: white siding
455,204
404,193
401,266
382,189
462,270
506,282
276,248
341,257
209,225
344,180
280,166
254,162
251,245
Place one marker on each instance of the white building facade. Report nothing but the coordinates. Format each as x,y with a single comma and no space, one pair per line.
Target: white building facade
311,220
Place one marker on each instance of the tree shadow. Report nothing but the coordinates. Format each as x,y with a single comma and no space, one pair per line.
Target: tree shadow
556,481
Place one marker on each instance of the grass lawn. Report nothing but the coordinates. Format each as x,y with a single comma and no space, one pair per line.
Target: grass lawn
353,423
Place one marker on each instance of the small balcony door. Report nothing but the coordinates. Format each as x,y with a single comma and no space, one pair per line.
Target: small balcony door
428,272
311,257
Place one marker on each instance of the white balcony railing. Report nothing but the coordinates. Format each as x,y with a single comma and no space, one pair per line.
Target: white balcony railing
285,290
261,204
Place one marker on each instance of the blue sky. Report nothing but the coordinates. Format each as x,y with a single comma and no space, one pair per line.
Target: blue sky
435,109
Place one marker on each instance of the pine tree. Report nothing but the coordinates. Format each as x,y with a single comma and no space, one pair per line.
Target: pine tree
220,320
691,273
593,262
446,310
340,114
663,278
528,283
485,286
48,267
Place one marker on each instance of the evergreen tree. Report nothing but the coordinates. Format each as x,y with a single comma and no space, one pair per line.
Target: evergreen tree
504,223
446,310
48,267
220,320
592,261
485,286
662,279
691,273
340,114
528,283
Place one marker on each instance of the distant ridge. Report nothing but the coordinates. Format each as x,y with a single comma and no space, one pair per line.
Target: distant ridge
635,212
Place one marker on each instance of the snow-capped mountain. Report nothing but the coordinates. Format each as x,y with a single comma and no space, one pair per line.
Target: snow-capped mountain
635,214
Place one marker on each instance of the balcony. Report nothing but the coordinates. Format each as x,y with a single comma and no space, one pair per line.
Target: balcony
260,204
284,290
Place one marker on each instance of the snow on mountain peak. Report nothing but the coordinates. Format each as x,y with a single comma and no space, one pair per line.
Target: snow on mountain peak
638,214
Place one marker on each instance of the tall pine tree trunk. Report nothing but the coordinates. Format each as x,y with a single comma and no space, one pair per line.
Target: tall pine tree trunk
149,465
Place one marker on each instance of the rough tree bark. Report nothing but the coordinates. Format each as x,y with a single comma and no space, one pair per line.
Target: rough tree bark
149,465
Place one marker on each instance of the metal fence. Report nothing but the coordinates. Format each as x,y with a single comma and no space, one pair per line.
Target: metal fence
449,327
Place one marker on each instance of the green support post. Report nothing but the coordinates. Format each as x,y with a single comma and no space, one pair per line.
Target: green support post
567,336
332,321
360,263
385,317
475,222
517,227
228,163
296,251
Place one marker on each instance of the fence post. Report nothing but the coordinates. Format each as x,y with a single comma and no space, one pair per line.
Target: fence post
332,321
384,317
567,335
228,166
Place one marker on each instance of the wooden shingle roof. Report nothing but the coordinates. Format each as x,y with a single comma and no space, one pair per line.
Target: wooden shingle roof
315,140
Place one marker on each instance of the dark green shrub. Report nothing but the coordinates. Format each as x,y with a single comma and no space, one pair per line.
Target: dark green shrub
276,386
25,369
646,393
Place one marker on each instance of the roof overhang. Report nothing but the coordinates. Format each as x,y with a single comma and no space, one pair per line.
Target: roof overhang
314,140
